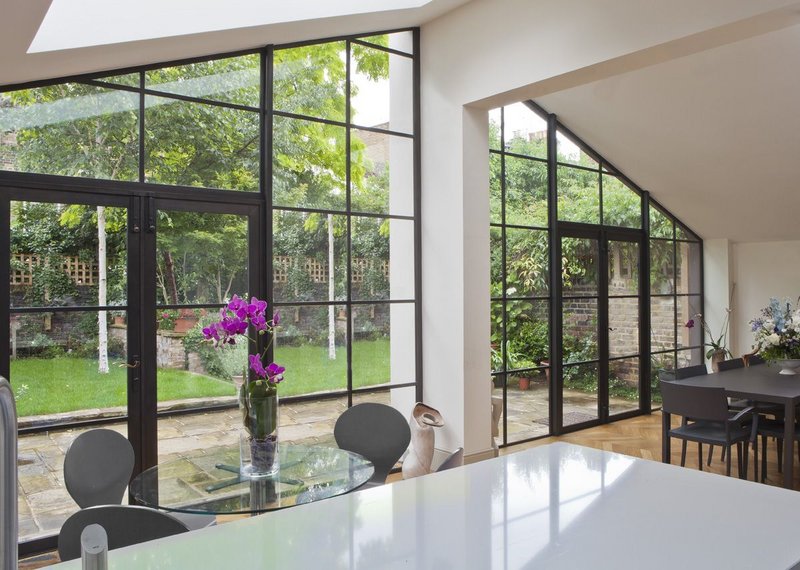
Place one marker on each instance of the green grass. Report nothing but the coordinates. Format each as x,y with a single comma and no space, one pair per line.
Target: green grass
65,384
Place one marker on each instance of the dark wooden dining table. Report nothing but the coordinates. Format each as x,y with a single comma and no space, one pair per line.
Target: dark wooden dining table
760,383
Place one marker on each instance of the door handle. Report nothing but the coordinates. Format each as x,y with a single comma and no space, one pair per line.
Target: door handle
135,364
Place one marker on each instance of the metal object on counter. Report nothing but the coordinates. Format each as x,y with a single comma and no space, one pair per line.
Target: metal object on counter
8,478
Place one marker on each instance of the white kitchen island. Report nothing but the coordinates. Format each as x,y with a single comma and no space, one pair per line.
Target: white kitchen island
556,506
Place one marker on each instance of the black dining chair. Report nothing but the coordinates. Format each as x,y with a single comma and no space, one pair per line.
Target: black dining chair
764,427
731,364
707,419
455,459
378,432
98,467
124,524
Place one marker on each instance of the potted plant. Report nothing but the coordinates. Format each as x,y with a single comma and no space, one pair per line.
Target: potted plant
718,350
258,395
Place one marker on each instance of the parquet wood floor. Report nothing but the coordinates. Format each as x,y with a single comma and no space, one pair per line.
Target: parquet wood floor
641,437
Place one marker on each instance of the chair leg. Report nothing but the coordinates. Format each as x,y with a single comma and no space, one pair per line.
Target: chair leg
728,463
755,458
711,454
780,455
763,458
745,447
721,454
700,456
683,453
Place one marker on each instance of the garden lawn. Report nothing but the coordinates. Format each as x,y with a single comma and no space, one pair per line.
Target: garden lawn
65,384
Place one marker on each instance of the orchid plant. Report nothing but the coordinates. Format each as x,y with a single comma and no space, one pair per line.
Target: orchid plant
717,343
258,394
777,330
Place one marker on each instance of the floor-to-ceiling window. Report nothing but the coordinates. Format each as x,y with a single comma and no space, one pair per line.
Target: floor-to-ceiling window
579,328
138,202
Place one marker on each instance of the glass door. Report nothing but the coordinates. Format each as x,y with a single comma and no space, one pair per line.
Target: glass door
197,258
600,333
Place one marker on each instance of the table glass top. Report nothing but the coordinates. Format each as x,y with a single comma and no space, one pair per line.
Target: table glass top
209,483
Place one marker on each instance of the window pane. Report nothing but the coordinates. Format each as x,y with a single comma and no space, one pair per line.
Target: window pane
526,192
381,89
190,144
383,344
496,264
691,357
623,268
659,363
129,80
70,130
495,123
201,258
69,362
689,309
683,233
579,338
689,264
621,205
527,329
662,267
310,80
495,188
578,195
309,164
310,343
55,255
579,266
569,152
580,394
525,131
497,346
381,173
400,41
660,224
662,323
303,244
527,261
231,80
623,385
623,326
382,259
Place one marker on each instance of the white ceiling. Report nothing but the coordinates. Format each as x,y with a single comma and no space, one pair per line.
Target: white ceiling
714,136
20,20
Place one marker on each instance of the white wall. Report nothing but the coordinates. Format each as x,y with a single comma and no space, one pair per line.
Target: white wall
718,282
762,270
489,53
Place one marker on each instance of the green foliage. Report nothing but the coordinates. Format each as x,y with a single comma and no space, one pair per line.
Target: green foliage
222,362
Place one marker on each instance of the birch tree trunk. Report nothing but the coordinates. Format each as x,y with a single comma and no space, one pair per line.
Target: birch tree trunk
331,294
102,289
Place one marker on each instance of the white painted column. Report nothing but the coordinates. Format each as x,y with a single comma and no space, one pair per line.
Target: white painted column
718,284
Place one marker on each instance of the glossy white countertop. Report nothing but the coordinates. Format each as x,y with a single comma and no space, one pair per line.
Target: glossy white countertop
556,506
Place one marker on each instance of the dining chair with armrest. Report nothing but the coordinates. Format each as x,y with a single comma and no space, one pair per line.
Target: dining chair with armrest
707,419
124,524
765,427
378,432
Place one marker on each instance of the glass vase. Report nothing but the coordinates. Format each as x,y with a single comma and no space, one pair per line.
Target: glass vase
258,437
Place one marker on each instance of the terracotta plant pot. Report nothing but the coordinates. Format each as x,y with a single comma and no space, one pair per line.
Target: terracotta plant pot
524,382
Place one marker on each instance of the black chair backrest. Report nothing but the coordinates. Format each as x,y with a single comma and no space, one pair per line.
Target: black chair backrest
696,402
98,467
732,364
755,360
691,371
455,459
377,431
125,525
681,373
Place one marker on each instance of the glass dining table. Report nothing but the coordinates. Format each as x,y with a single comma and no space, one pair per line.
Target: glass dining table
208,481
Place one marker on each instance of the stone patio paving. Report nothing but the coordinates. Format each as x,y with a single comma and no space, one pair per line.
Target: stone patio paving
44,503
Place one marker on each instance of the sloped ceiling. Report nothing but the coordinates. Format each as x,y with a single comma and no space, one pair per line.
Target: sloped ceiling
20,19
714,136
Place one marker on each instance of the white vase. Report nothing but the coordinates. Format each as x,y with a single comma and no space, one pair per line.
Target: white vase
788,366
420,453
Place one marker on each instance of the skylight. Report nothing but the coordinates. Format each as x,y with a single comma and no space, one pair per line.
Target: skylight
83,23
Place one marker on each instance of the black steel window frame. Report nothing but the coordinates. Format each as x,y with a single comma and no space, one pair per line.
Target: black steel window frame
556,229
24,186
